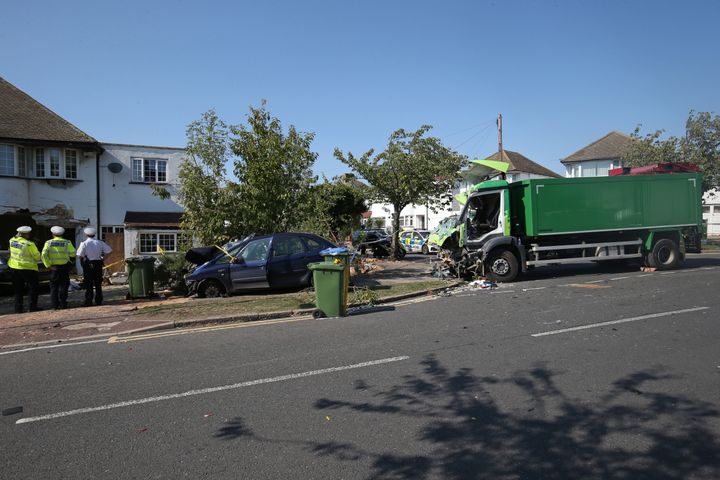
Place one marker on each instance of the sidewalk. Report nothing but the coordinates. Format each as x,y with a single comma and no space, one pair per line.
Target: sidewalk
118,315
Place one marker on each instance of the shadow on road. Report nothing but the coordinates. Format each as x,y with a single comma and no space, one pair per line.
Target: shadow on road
634,431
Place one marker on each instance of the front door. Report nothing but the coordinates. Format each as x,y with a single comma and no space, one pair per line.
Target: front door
249,270
114,261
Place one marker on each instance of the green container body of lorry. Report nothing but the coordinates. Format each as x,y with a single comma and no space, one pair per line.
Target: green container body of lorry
506,228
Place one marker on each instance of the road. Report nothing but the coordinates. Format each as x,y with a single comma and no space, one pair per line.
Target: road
572,373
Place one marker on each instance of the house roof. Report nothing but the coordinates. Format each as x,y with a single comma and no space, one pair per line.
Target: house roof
24,118
520,163
611,145
153,219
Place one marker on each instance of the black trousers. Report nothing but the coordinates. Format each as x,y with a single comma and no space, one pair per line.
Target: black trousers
22,279
93,276
59,284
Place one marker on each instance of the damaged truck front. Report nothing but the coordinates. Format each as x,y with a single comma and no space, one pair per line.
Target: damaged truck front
506,228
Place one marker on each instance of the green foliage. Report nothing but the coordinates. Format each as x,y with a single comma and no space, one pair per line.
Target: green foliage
334,208
170,272
274,171
364,296
701,145
413,169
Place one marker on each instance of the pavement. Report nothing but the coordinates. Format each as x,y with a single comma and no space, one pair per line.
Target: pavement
571,373
119,315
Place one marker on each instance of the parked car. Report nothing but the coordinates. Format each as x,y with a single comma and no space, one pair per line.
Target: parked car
377,240
272,261
6,278
416,241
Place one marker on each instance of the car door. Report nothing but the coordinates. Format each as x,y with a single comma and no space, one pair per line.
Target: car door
287,265
405,239
250,267
416,242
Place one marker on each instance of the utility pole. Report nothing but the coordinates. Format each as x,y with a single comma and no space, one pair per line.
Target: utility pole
500,139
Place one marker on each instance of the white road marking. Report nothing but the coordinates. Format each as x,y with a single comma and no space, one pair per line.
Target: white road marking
68,344
534,288
504,291
666,273
624,320
619,278
645,275
596,281
203,391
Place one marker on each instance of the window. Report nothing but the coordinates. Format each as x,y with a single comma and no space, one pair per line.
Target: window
7,160
149,170
39,162
707,209
287,245
22,162
313,244
54,155
406,221
256,250
70,163
151,243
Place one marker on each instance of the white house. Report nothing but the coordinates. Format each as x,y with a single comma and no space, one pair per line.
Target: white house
598,158
52,173
423,217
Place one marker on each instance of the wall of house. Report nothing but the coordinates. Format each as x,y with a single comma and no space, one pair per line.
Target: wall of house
711,212
118,192
591,168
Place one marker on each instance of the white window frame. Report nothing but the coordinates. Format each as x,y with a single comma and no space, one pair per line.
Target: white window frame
157,235
39,161
68,165
111,229
138,175
42,156
7,148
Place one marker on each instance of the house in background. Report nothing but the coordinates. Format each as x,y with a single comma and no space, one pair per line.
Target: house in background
134,220
598,158
52,173
423,217
48,170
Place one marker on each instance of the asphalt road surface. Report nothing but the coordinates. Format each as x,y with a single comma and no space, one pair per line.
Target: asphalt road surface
572,373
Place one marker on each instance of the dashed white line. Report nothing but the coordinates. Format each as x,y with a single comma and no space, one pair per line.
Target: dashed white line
203,391
534,288
623,320
666,273
645,275
619,278
595,281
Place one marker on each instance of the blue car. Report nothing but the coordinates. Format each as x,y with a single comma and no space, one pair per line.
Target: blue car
274,261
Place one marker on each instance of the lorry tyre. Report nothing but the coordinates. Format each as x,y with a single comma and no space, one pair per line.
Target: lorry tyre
501,265
665,254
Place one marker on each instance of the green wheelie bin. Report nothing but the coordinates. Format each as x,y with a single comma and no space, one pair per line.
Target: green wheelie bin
140,276
330,283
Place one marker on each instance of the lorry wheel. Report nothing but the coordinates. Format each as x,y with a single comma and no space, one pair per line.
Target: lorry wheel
210,289
665,254
502,265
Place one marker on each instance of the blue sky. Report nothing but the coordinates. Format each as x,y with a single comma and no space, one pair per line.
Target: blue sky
563,73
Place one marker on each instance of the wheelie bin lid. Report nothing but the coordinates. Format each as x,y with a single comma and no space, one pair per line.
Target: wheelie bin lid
335,251
140,259
325,266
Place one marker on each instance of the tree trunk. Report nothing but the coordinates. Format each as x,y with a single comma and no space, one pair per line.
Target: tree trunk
395,253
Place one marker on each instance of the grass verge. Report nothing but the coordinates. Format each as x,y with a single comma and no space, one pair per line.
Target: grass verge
249,304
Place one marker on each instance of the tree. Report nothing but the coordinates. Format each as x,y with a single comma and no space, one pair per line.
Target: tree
413,169
274,171
203,189
335,207
701,145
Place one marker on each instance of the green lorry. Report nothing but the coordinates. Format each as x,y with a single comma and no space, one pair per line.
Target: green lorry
506,228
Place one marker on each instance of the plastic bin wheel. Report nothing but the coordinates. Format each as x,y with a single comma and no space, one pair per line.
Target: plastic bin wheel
318,314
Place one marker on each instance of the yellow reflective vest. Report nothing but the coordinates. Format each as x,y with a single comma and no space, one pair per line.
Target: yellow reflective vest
57,251
24,254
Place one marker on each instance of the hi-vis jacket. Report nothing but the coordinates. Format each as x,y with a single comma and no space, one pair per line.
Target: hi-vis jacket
24,254
57,251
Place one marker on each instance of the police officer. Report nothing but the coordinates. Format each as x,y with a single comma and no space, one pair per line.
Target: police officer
58,255
23,263
91,253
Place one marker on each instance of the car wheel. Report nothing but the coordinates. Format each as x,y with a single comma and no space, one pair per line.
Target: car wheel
665,254
425,250
501,266
210,289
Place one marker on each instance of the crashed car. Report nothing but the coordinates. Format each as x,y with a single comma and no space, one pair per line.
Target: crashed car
416,241
272,261
377,240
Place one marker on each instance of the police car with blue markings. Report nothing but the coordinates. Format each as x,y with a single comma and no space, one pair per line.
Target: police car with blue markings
416,241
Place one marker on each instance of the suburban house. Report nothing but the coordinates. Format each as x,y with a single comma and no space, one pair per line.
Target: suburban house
423,217
596,159
52,173
604,154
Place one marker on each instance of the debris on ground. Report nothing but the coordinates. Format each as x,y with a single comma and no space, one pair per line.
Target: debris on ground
482,283
141,429
12,411
208,414
648,269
